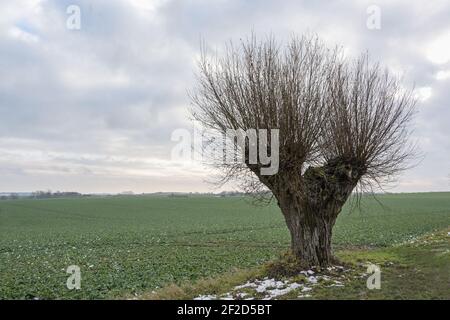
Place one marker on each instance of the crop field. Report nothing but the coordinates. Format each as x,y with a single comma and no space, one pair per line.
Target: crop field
134,244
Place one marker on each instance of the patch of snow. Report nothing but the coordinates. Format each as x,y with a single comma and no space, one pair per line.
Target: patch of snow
246,285
335,285
307,273
271,288
305,289
269,284
281,292
206,297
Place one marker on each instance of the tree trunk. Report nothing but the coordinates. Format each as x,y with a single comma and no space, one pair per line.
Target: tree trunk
311,233
310,206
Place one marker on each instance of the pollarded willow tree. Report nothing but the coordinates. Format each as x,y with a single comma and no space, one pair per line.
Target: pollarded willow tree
343,127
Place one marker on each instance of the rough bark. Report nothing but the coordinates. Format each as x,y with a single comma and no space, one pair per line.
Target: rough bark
310,235
311,205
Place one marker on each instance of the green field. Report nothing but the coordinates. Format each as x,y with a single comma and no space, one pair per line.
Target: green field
134,244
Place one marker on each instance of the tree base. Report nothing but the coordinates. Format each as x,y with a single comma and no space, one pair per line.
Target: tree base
289,265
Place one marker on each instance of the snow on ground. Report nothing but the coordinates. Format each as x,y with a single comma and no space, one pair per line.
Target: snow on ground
267,289
206,297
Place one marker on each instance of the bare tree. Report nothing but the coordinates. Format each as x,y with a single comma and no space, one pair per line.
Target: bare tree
343,126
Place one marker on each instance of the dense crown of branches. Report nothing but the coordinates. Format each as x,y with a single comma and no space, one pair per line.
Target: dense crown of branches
328,108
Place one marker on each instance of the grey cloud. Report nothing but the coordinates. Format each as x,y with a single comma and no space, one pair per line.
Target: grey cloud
117,87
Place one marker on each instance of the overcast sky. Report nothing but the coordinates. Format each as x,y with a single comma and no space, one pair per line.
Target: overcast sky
93,109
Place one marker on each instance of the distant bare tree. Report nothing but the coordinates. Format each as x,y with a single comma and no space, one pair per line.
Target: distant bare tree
343,126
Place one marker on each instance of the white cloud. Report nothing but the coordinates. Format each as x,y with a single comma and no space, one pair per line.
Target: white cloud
424,93
443,75
23,35
438,50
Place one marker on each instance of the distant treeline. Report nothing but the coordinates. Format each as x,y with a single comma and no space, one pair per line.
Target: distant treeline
49,194
186,195
40,195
